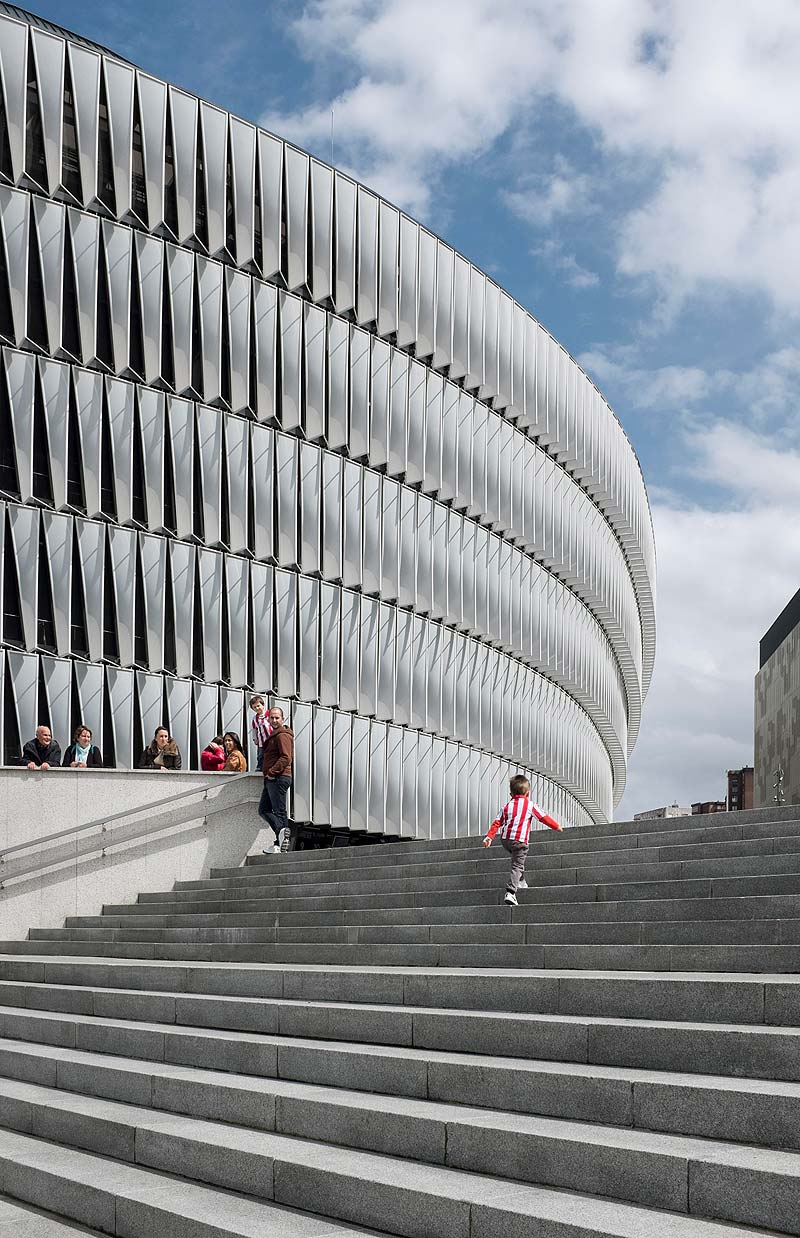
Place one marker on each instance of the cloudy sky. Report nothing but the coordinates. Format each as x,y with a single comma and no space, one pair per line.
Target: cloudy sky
630,171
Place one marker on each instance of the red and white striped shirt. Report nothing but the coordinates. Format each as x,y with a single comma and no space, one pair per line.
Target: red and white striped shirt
261,729
515,820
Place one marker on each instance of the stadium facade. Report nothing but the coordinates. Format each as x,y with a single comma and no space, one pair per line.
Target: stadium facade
261,430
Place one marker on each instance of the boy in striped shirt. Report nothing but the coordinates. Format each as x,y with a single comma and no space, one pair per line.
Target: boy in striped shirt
515,822
259,726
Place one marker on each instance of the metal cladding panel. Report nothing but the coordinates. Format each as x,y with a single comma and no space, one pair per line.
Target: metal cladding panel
368,678
504,472
330,624
438,607
54,379
490,802
321,231
505,342
407,584
398,415
490,326
340,782
48,54
394,780
23,672
13,85
206,712
296,218
183,115
387,621
359,392
477,662
462,656
424,763
426,295
477,307
286,632
493,587
49,232
352,548
182,562
89,684
291,355
181,421
180,278
287,451
209,284
460,362
380,373
119,397
270,159
519,328
390,540
454,610
152,425
243,153
153,112
122,546
332,522
404,632
345,234
232,710
153,552
85,241
15,213
265,348
119,690
119,93
371,558
214,142
302,771
376,820
118,245
494,427
388,242
210,564
417,392
432,478
338,383
467,574
314,372
450,416
438,785
419,677
466,417
449,643
424,553
457,762
91,553
408,771
57,683
179,708
150,691
323,766
407,303
310,512
150,260
481,587
237,582
88,389
359,774
308,617
443,352
58,536
435,644
209,440
237,444
24,525
261,599
350,643
367,272
237,293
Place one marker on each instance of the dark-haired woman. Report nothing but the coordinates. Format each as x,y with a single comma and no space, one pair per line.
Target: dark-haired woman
82,753
162,754
235,760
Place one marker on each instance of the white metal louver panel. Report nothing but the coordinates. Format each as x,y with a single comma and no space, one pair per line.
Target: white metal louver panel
261,597
179,707
23,523
345,234
243,153
209,440
150,692
237,583
214,142
49,234
388,270
117,250
119,397
322,766
48,54
119,80
321,231
57,684
119,687
209,284
54,383
15,211
338,383
262,460
58,538
237,443
89,405
153,556
122,547
291,354
84,66
91,555
308,638
206,713
340,788
89,684
330,624
314,349
270,157
237,290
150,259
13,62
265,332
153,428
85,241
153,112
296,218
210,565
180,279
407,302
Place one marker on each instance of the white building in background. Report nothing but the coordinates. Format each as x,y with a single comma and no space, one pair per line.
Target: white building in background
670,810
262,430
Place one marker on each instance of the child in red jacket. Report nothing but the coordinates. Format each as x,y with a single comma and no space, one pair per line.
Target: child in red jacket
515,821
212,758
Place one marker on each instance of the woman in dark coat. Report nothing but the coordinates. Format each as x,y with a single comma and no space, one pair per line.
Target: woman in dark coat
82,753
162,754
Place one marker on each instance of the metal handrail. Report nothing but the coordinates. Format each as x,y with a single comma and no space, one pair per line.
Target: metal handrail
118,816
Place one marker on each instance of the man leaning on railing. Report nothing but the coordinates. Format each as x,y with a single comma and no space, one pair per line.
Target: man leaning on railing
42,751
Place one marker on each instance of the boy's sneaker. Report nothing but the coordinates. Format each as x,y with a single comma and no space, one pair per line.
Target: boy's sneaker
274,850
511,899
285,839
522,884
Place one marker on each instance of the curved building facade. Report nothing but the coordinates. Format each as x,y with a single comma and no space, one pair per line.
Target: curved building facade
261,430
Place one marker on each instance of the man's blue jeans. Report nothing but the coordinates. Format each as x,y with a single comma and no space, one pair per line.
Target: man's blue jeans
272,806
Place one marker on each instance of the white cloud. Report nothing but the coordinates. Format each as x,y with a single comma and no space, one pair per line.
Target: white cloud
556,258
664,388
724,576
540,199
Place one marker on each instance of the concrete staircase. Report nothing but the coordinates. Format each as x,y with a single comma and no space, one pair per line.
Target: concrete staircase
366,1041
